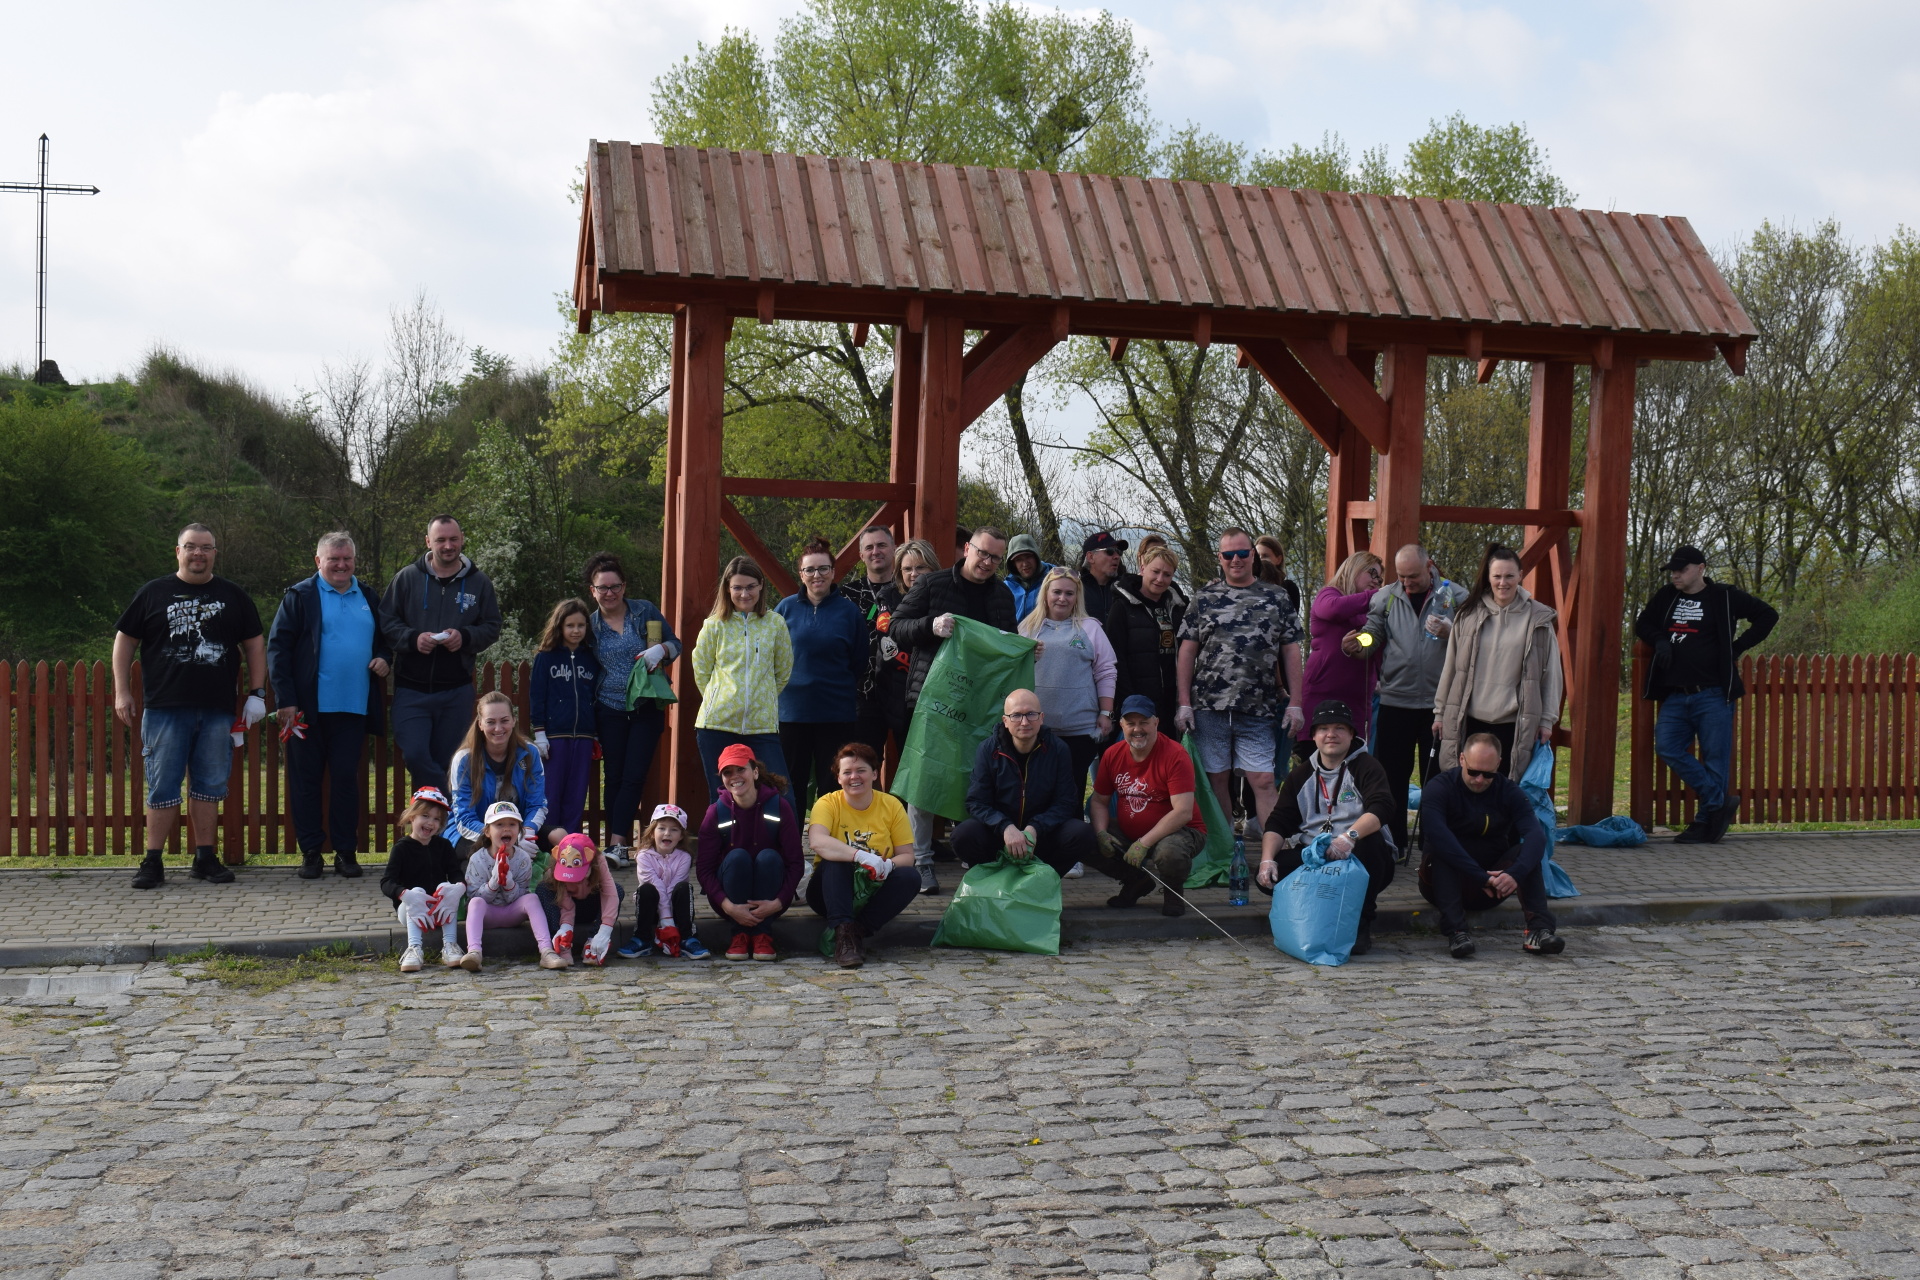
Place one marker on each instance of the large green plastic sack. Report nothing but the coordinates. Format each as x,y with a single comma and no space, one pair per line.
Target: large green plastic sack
651,687
959,708
1009,904
1212,864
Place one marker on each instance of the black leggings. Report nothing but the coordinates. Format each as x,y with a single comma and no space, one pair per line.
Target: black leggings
809,748
646,910
830,894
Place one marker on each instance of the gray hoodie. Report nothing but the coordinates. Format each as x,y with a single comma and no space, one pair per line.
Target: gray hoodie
1410,659
418,601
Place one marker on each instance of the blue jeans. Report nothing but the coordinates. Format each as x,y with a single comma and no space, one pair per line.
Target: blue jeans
752,877
428,728
182,743
766,749
1707,716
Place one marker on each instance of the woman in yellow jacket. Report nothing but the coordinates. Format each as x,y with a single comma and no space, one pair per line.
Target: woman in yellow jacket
741,661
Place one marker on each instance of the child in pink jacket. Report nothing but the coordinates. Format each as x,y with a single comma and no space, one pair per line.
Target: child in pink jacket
663,866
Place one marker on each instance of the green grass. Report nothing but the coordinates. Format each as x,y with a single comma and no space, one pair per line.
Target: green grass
270,973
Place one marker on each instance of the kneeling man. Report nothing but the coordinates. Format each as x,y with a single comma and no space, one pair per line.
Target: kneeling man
1339,790
1159,826
1483,846
1023,777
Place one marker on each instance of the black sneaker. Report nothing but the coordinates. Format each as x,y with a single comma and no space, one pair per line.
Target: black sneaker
1362,941
347,865
1543,942
311,867
151,874
208,867
1694,832
1460,945
1720,819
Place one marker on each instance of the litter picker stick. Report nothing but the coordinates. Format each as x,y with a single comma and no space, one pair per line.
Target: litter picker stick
1189,901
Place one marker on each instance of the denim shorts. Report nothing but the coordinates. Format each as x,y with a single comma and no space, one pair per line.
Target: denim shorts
1233,740
178,743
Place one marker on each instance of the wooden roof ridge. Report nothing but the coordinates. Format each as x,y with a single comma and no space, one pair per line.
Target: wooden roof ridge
828,235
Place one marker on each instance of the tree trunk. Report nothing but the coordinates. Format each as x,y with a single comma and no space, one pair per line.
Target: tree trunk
1050,548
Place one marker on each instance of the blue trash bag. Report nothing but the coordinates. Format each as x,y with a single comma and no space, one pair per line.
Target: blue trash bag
1316,910
1538,786
1617,832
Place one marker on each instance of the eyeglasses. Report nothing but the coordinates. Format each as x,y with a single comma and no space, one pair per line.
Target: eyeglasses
1480,773
818,568
1241,554
612,590
985,557
195,549
1020,715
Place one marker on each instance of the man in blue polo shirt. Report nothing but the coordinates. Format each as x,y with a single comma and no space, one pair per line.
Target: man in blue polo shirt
327,663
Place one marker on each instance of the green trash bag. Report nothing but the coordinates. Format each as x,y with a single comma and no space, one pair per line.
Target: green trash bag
1008,904
863,887
1214,861
644,686
959,708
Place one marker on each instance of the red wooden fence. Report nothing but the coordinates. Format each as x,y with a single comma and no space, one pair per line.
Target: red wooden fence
77,786
1816,739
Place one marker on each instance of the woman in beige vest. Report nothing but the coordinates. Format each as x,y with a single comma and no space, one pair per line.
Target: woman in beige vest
1502,674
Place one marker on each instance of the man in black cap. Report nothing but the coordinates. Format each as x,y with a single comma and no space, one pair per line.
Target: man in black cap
1695,679
1333,791
1099,569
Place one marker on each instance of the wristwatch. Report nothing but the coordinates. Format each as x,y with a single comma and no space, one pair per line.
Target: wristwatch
257,693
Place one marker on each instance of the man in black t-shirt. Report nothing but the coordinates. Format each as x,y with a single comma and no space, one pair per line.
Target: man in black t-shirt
192,630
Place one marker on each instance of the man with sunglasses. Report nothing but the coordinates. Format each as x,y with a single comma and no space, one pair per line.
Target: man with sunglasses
1483,845
1239,654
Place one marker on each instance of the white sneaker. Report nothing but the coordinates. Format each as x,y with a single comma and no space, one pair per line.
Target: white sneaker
411,959
1075,871
451,955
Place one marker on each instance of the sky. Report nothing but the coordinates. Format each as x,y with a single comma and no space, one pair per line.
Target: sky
276,178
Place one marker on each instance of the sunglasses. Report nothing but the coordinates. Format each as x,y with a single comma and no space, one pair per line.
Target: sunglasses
1480,773
1241,554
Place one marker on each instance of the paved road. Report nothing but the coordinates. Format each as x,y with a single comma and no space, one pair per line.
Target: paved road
1715,1101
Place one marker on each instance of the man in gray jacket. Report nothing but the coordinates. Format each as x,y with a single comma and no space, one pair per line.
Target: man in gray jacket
1406,632
439,613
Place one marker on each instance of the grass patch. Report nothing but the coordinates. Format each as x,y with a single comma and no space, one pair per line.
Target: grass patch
270,973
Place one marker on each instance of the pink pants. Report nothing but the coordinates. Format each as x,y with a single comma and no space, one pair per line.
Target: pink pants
482,914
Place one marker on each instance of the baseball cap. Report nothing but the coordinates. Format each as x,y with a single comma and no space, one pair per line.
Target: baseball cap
573,858
432,795
673,811
738,754
1138,705
502,809
1682,557
1102,541
1332,711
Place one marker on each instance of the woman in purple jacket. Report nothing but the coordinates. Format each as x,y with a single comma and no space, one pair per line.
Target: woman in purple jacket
749,861
1339,608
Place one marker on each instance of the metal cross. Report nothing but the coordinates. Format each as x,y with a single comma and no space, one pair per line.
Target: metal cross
44,188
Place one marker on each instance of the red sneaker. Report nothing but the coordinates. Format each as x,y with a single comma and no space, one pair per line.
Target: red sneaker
763,947
740,948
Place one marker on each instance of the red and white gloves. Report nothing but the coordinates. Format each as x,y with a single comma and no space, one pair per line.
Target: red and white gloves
598,945
873,864
667,938
563,938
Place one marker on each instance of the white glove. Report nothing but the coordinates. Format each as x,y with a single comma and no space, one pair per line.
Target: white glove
653,655
1183,720
1294,719
598,944
256,710
446,902
943,625
563,938
876,866
540,743
1340,846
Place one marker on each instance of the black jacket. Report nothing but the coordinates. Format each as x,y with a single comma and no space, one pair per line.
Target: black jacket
411,865
944,591
417,601
1474,831
1045,795
293,653
1724,606
1139,666
1368,776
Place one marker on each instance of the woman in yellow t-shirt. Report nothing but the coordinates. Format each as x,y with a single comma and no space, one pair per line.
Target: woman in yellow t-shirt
857,831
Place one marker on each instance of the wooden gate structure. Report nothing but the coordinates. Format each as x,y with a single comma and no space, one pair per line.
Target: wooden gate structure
1337,299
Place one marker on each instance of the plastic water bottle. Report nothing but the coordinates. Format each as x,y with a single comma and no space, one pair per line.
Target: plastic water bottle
1237,874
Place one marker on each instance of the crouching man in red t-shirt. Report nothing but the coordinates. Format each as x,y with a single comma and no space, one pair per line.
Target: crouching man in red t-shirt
1159,828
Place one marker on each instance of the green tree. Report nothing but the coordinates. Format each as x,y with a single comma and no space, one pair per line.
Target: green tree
1459,160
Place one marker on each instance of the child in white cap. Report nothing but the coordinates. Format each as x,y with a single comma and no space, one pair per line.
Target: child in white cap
664,865
423,879
500,884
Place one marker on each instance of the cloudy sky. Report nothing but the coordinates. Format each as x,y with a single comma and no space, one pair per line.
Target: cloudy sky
275,177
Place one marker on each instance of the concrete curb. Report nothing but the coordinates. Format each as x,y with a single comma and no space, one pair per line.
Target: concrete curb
799,934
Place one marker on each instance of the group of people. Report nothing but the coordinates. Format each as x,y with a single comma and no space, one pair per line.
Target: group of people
801,701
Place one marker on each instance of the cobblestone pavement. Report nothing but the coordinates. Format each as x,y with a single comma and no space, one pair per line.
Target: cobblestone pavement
267,903
1716,1102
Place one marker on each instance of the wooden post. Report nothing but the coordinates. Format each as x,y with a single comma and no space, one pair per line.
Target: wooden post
1396,511
1594,699
700,333
1549,465
905,464
1349,479
936,496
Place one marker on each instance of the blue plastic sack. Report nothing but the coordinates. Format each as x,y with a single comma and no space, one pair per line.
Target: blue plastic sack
1617,832
1316,910
1538,786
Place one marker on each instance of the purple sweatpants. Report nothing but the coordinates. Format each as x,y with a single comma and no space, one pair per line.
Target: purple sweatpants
569,765
482,914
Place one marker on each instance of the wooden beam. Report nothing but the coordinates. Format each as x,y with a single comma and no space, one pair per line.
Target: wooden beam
903,463
1549,462
888,514
763,307
776,487
1337,338
762,555
860,331
1603,353
1117,349
1476,345
1483,374
916,314
936,500
1397,479
1555,518
985,345
1735,354
1203,330
1346,386
1538,546
1296,386
988,380
1600,594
